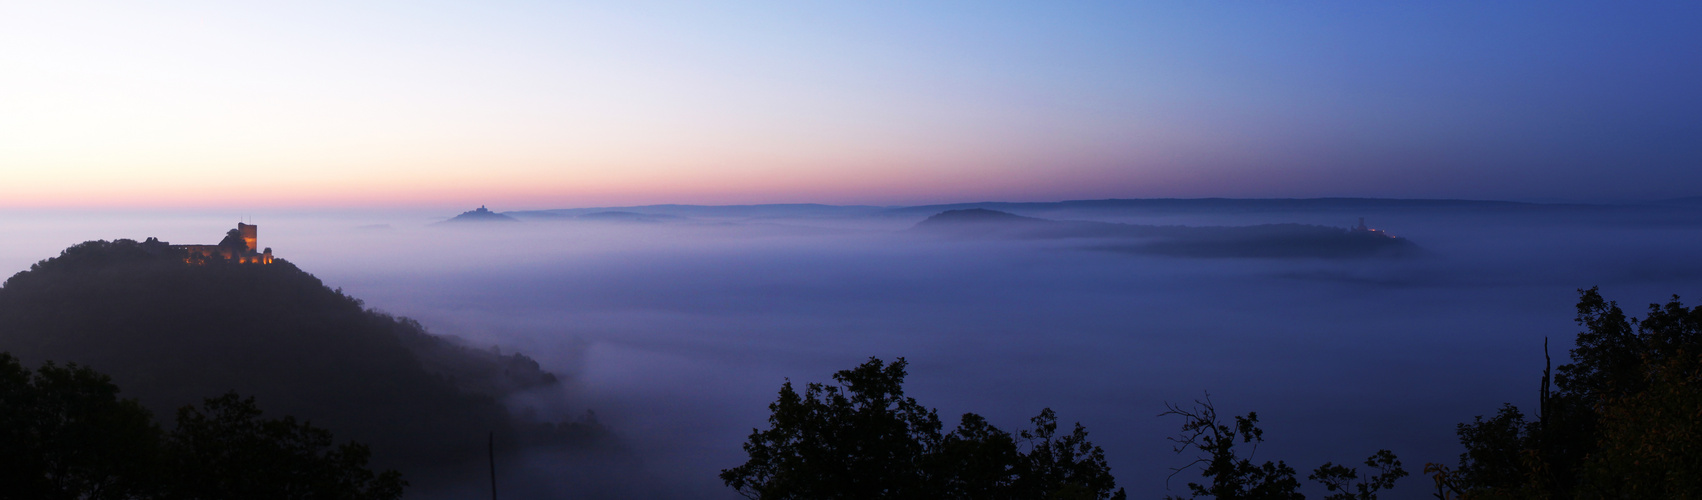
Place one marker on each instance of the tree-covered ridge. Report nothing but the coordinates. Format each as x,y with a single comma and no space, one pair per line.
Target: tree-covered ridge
173,334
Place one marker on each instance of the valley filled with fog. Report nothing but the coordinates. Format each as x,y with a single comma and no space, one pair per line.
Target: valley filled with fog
677,325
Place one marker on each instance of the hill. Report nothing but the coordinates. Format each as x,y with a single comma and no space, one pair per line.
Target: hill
172,333
1257,241
976,216
480,214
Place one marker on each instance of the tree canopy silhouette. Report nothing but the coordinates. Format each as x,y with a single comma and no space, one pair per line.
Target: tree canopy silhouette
65,434
224,449
1232,476
1622,421
864,439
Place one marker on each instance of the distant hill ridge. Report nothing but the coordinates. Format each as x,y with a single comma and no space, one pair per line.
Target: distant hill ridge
1154,205
976,216
1255,241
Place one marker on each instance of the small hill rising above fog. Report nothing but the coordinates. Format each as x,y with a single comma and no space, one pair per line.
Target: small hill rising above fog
480,214
172,333
1258,241
976,216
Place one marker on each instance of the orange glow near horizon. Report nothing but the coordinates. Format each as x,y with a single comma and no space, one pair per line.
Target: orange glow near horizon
547,105
749,179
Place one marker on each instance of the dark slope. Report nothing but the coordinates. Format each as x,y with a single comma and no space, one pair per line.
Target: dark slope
1265,240
171,334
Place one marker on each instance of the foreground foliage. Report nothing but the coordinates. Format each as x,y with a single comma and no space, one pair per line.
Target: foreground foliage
1624,420
1231,476
67,435
863,439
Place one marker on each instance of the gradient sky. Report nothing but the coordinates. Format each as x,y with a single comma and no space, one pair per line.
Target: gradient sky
545,105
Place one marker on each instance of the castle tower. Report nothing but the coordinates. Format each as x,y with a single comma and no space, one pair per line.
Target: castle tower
250,235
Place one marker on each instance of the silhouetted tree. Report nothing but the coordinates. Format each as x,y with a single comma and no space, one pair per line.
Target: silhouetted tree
65,434
1062,467
1344,483
978,460
1234,477
226,450
864,439
1621,424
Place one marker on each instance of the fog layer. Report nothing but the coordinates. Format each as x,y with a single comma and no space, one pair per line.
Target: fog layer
679,328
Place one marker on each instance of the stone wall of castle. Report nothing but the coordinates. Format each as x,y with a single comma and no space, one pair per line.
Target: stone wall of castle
199,254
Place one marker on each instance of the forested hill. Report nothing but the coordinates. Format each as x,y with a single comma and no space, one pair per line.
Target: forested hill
171,334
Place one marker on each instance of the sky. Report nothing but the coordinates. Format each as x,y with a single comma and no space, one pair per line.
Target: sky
535,105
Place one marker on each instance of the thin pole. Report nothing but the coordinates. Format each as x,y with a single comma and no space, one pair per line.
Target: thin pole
491,446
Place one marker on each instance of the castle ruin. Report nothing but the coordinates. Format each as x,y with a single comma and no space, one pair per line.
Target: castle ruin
241,245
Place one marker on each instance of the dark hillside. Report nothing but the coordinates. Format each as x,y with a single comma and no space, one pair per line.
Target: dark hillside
172,334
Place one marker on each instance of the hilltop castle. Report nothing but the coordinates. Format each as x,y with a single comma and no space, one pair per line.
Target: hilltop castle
1362,229
240,245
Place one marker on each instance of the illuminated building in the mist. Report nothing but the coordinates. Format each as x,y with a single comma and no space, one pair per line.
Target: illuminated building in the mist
243,252
1362,229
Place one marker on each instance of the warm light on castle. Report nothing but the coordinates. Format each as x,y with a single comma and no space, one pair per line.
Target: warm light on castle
1361,228
240,245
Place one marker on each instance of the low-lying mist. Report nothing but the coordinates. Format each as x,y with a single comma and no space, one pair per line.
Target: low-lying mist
678,332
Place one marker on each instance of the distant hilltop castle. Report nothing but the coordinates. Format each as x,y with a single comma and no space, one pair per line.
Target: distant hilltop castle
482,214
239,246
1362,229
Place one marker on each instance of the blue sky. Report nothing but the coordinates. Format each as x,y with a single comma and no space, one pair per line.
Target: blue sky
537,105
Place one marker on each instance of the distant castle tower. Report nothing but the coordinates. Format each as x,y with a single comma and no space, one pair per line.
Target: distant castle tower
1362,228
251,234
248,253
